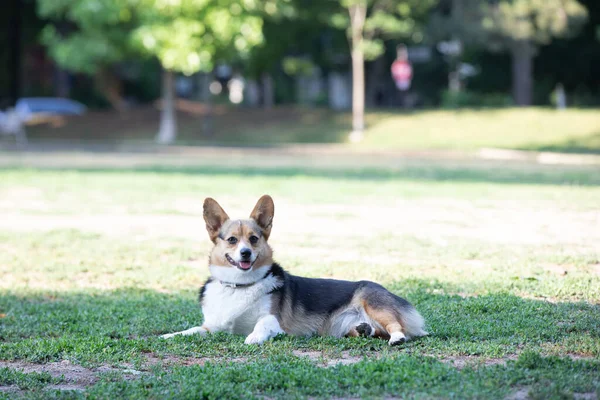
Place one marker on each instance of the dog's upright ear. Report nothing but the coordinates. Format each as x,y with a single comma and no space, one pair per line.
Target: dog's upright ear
263,214
215,217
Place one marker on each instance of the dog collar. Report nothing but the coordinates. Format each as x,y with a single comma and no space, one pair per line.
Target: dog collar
234,285
237,285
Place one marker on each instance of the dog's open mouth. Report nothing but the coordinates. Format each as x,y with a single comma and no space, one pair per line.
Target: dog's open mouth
243,265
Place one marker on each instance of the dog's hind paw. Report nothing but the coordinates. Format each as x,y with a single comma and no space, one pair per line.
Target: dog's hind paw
364,329
397,338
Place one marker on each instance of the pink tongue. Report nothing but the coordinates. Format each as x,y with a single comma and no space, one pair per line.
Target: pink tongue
245,264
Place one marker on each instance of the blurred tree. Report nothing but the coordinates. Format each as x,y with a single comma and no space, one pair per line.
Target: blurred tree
188,36
368,23
515,25
293,38
14,24
521,24
90,36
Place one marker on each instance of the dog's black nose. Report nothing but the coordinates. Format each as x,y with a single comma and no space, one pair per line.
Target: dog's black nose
246,253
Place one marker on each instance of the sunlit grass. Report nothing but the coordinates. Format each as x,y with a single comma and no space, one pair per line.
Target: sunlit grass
532,129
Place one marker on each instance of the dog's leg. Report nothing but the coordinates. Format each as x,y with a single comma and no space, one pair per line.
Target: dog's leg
388,320
396,335
197,329
213,322
363,329
266,328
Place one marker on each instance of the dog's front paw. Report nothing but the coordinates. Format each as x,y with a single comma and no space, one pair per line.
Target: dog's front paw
195,330
256,338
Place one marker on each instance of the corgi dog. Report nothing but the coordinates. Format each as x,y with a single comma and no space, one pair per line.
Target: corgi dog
248,293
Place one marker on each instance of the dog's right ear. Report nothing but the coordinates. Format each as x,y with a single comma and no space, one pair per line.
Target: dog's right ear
263,214
215,217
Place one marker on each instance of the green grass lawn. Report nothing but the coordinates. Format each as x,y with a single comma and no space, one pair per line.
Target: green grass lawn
576,131
99,256
540,129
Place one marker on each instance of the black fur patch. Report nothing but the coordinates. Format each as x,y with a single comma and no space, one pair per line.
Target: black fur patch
364,329
276,271
319,296
203,289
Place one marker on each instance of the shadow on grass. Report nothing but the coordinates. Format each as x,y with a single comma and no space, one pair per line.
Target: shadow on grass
582,145
537,175
239,126
122,325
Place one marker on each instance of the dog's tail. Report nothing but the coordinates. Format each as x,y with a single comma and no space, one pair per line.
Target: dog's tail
412,322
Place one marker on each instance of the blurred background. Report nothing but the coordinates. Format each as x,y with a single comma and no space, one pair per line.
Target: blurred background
269,72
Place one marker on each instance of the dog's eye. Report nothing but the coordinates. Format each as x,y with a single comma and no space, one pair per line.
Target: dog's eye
253,239
232,240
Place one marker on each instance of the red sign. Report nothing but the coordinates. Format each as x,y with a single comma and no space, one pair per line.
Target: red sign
402,74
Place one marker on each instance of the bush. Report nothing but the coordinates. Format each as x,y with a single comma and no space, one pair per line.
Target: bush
453,100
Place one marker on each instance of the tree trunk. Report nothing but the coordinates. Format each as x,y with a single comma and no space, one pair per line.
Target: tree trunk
14,40
111,87
62,82
374,85
522,73
358,14
268,91
168,120
207,118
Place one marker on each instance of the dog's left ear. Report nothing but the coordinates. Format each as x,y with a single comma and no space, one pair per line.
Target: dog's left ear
263,214
215,217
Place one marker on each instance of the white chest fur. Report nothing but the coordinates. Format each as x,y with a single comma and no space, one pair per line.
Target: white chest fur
236,310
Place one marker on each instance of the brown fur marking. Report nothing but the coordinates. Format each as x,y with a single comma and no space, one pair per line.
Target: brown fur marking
386,318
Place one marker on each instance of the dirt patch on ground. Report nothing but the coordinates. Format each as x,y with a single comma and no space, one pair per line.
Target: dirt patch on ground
13,389
323,360
585,396
578,357
522,393
319,358
519,394
74,377
170,360
461,362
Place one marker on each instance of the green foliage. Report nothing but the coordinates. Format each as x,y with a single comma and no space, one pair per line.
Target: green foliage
453,100
499,24
297,66
304,25
187,35
94,33
533,20
385,19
